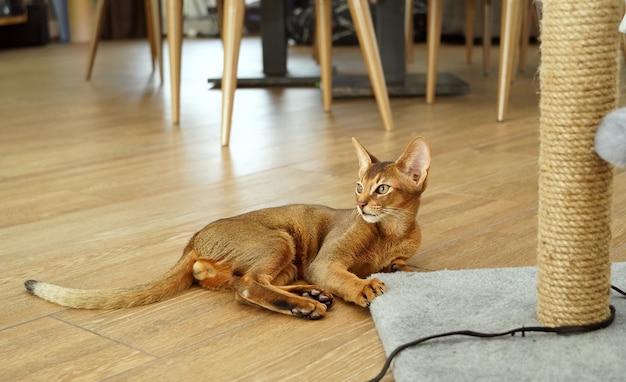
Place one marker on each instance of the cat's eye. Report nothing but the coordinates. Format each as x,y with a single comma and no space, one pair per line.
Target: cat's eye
382,189
359,188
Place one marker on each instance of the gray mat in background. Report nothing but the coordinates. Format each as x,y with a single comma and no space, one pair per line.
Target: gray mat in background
490,300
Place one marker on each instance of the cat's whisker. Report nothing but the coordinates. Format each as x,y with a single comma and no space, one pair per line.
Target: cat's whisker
395,212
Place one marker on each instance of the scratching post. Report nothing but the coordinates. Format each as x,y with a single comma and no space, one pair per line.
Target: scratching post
578,76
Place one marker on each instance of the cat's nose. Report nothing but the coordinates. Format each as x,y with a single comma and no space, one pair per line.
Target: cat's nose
361,204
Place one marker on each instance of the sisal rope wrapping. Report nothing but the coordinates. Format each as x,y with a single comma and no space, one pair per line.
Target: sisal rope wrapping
579,77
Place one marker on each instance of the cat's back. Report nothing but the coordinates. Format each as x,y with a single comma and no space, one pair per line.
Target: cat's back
307,215
308,225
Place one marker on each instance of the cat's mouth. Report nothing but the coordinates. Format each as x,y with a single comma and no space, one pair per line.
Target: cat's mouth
370,218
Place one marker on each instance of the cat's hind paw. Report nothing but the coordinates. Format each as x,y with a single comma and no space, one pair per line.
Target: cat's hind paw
321,296
309,315
312,292
298,307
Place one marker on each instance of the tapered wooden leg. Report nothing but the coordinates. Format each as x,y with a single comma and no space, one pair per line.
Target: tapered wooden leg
150,32
323,38
219,4
153,22
158,35
232,29
433,39
362,18
534,19
174,17
316,49
487,20
315,53
158,15
409,30
470,19
95,36
524,34
511,16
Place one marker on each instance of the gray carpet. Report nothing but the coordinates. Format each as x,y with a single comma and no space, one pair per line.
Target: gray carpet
491,300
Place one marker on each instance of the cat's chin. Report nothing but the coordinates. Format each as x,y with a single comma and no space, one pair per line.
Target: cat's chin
370,218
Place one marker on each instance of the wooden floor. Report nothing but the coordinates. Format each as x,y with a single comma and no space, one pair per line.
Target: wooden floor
98,189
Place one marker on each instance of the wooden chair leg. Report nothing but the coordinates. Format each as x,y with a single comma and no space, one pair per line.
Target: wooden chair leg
409,30
433,39
524,34
362,18
314,44
232,29
158,15
470,19
158,35
153,23
95,37
511,15
174,16
487,35
219,4
323,38
150,32
315,53
534,19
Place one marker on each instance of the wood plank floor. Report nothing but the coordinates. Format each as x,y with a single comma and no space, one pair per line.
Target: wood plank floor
98,189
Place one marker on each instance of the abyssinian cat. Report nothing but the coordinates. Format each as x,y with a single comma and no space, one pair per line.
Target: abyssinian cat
260,254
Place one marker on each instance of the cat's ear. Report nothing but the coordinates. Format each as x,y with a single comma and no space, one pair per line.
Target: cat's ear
415,161
365,158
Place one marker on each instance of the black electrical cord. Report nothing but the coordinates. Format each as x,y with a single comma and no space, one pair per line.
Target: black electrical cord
522,330
618,290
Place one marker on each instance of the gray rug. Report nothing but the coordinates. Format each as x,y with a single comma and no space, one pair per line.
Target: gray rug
490,300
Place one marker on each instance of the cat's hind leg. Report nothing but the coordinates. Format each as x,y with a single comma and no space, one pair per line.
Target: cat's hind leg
274,265
289,274
258,290
286,276
209,274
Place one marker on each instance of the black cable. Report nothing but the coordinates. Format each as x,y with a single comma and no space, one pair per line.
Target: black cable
522,330
618,290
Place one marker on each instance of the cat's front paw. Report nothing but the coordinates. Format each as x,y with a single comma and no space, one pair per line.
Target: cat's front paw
397,266
370,290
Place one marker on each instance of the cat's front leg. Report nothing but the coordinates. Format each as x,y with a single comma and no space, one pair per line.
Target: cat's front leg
339,281
397,265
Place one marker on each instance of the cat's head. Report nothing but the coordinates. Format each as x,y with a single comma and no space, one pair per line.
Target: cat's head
391,189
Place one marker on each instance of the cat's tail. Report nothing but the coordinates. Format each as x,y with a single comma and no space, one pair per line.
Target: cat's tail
173,282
